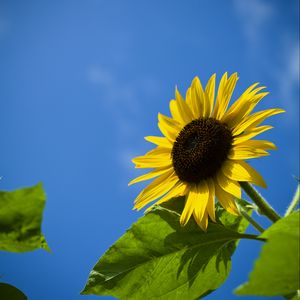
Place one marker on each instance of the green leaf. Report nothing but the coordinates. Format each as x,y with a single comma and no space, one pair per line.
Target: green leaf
158,259
20,219
10,292
294,296
276,272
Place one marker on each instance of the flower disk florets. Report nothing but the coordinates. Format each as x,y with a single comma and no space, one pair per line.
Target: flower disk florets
200,149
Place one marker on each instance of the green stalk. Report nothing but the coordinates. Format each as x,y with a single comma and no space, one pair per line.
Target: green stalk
250,219
294,202
264,207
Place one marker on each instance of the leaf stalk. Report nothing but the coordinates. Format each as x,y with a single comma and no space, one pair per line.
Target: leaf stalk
250,219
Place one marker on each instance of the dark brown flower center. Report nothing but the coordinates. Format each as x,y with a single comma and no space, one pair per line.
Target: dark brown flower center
200,149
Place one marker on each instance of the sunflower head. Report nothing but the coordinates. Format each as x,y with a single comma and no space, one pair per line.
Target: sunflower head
202,151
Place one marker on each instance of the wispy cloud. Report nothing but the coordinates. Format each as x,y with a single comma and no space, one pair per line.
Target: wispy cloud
122,98
288,80
257,17
115,93
254,14
290,73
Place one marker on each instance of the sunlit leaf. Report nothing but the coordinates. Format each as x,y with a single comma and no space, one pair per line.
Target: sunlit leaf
20,219
158,259
276,272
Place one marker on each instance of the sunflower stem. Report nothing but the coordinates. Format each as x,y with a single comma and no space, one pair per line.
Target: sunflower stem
264,207
294,202
250,219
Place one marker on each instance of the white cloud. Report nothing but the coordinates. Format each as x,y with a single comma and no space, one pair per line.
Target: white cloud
122,99
122,96
290,75
288,80
254,14
256,18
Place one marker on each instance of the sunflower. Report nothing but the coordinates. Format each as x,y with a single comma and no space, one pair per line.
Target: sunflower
202,151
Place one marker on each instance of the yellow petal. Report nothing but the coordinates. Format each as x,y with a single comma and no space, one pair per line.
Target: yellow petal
225,91
203,99
255,119
210,92
170,128
175,112
243,99
211,201
198,98
179,189
189,205
169,122
243,152
226,200
233,120
159,152
250,134
203,222
241,171
259,144
156,189
168,132
220,92
190,99
151,162
231,83
183,108
159,141
202,200
228,185
243,106
150,175
154,184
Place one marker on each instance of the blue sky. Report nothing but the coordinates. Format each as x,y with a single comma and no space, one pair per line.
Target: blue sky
81,85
